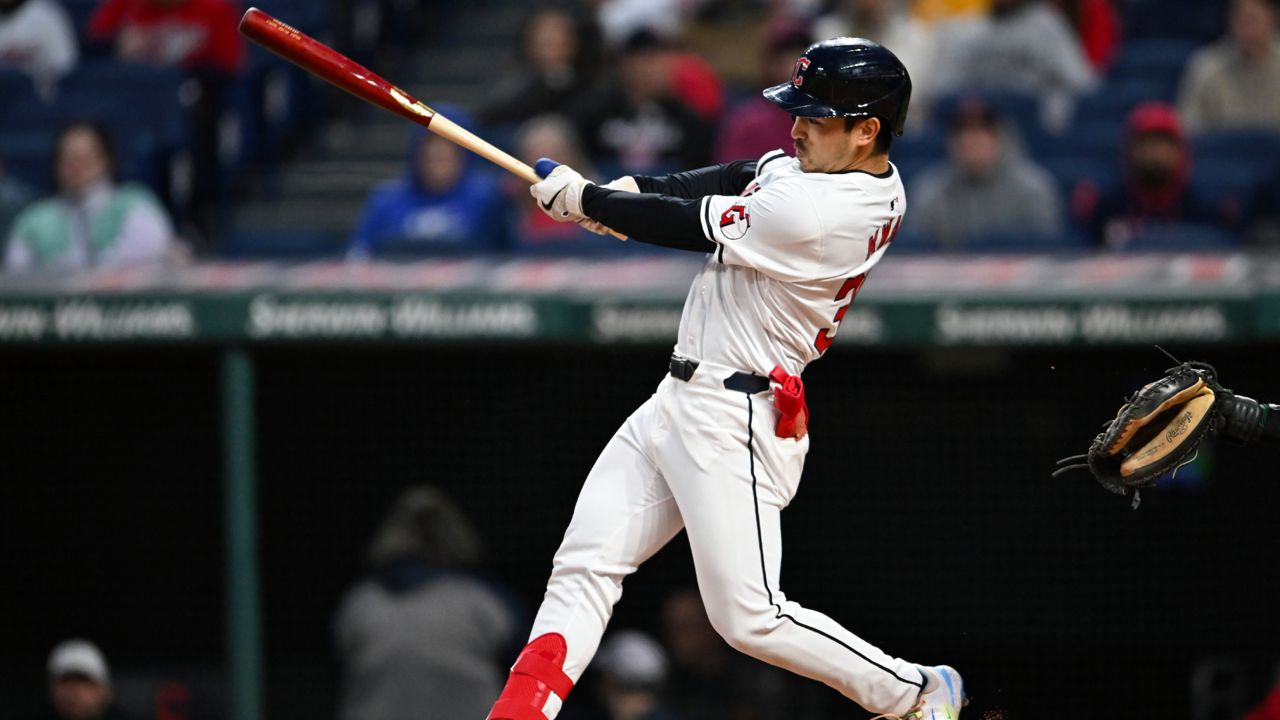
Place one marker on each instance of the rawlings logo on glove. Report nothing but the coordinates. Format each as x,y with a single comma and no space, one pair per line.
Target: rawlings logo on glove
1155,432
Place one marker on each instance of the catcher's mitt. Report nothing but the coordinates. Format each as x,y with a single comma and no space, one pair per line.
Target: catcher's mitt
1155,432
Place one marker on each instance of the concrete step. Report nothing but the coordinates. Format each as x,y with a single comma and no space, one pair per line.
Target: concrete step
457,65
327,180
333,216
467,95
378,141
493,27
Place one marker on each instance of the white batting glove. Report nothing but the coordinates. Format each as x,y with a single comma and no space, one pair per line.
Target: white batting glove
559,194
626,183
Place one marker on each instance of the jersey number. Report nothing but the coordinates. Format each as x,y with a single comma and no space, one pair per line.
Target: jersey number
848,290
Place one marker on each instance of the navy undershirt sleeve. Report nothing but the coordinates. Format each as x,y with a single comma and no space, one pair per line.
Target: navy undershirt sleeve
726,179
666,210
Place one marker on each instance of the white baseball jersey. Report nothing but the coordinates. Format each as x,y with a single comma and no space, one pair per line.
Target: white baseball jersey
793,250
702,457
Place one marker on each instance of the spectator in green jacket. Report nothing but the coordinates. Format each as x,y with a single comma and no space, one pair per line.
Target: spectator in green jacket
92,221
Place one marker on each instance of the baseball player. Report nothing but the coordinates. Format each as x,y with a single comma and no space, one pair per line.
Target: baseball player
719,447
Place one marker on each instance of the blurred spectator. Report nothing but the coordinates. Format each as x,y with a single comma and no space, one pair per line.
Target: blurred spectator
621,19
637,125
1155,183
14,196
1024,46
422,638
91,222
80,683
710,681
1269,708
754,126
1097,23
200,37
444,204
549,136
557,65
695,83
1236,81
986,185
37,37
889,23
1265,228
934,11
631,668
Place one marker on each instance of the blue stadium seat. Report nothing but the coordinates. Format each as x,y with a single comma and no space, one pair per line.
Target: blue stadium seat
917,150
1022,241
1183,237
1160,60
1019,111
280,244
1094,139
1233,165
16,88
28,156
1194,20
1071,170
1116,98
148,96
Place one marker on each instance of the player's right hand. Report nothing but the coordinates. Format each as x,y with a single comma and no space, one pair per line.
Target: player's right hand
559,194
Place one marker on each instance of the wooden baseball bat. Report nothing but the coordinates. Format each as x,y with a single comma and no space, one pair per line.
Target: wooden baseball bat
332,66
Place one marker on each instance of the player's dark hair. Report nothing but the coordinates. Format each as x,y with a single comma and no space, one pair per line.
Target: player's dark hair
884,138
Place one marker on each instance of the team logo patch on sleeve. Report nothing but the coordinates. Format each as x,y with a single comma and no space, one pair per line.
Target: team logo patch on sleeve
735,222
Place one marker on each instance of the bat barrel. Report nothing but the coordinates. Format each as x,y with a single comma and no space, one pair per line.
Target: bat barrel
323,61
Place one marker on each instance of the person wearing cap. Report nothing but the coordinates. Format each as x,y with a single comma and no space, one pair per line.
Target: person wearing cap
986,185
80,684
639,124
632,669
1154,187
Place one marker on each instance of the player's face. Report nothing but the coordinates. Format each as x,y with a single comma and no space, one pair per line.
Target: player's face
823,144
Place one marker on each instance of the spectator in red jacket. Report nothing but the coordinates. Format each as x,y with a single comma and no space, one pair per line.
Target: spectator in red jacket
199,37
754,126
1155,184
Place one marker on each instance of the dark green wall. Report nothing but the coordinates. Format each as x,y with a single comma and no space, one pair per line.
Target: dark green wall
927,520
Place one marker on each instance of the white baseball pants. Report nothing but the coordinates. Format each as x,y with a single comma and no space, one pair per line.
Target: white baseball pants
699,456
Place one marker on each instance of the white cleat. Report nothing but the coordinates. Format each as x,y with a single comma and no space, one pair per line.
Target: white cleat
943,697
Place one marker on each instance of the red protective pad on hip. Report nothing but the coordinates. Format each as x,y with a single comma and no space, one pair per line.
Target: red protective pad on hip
538,672
788,400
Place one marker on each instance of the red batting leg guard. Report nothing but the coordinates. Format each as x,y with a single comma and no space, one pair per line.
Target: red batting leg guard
538,672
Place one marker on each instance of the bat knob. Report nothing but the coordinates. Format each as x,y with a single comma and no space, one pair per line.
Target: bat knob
544,166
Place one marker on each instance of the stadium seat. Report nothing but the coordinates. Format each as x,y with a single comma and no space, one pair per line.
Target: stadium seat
1183,237
1160,60
1070,170
1116,98
1093,139
1019,111
1023,241
16,88
147,96
282,244
1192,20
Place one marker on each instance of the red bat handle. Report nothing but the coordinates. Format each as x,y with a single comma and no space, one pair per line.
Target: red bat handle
319,59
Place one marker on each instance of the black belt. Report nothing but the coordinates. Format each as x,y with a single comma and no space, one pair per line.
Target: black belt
683,368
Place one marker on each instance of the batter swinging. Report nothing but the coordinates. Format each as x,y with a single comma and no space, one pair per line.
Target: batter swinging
713,451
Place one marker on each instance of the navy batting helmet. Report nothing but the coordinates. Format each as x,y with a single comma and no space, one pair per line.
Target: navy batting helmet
847,77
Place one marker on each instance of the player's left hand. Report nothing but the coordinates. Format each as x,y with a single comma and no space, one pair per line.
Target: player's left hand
559,194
